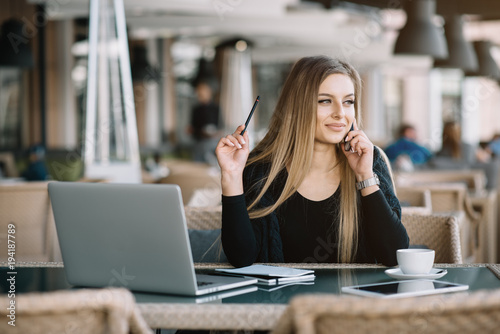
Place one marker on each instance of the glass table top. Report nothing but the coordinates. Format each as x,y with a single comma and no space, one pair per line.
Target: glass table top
326,281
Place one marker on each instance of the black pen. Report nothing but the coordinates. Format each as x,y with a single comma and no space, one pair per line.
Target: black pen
250,116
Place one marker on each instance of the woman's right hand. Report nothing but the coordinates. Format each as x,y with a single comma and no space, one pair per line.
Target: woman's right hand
232,153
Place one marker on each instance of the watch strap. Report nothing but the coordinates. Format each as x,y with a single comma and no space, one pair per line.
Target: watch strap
368,182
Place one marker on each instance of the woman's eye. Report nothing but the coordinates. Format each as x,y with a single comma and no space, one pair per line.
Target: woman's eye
349,102
324,101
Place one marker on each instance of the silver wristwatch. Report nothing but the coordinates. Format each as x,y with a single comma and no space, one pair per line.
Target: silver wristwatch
368,182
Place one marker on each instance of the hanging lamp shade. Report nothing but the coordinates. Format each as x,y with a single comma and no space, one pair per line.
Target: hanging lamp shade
420,36
14,49
461,52
487,65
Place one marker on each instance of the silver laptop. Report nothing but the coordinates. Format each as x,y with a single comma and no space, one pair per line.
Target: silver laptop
129,235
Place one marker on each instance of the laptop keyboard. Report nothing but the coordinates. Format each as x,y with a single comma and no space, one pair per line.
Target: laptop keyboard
202,283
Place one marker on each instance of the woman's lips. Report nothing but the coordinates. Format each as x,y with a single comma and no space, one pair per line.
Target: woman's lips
336,127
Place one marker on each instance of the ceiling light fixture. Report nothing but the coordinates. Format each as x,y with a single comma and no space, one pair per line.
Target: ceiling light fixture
241,45
461,52
487,65
420,36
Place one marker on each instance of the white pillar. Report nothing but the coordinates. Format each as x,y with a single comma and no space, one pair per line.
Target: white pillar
480,109
236,89
152,117
68,128
434,112
372,109
168,119
422,107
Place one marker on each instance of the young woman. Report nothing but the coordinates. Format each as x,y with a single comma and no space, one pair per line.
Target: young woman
299,196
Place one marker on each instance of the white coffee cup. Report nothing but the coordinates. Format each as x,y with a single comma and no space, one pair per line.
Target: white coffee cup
415,261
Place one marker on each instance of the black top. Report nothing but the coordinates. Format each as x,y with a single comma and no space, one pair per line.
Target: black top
309,235
301,230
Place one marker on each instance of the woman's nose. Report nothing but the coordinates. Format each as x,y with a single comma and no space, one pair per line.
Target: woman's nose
337,110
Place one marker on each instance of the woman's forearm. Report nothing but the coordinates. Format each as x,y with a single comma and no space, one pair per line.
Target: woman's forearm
238,237
383,228
231,184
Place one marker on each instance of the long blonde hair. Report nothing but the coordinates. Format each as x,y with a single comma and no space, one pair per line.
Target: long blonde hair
290,142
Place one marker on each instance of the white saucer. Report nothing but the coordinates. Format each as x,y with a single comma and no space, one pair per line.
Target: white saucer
434,274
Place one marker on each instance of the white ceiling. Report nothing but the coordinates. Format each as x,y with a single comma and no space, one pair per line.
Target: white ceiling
280,29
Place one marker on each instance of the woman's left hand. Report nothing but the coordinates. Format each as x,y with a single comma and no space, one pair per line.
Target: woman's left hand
360,157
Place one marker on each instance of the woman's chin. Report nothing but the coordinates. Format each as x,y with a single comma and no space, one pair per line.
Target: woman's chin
328,141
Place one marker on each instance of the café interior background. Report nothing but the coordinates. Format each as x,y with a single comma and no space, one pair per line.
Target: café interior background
171,43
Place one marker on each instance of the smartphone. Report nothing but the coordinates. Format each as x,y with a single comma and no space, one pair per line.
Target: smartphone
347,144
250,115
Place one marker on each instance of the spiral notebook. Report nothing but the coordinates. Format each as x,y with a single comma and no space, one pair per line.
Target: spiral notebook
271,275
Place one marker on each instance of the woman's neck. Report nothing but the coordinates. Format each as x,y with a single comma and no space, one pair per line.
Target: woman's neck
323,178
324,158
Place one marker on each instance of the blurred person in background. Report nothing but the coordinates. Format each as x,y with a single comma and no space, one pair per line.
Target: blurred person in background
455,153
405,153
36,170
204,125
493,147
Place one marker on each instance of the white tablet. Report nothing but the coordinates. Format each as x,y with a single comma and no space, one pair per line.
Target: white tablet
405,288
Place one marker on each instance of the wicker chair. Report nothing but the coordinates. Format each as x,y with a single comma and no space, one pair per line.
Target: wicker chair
203,218
204,224
464,313
92,311
8,160
474,180
453,198
449,197
27,206
438,232
418,201
199,182
450,192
